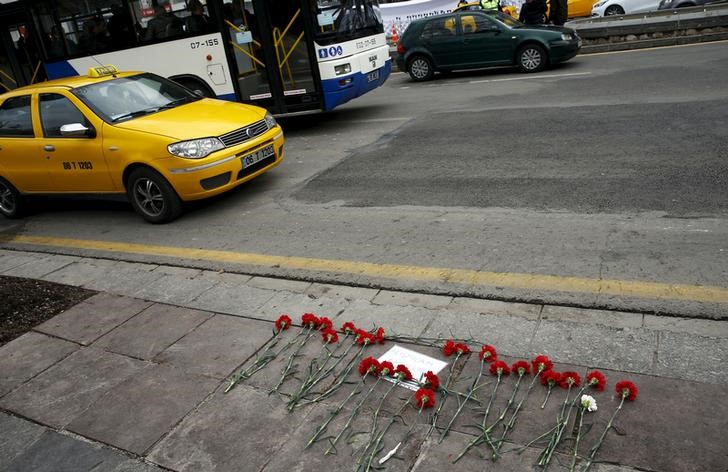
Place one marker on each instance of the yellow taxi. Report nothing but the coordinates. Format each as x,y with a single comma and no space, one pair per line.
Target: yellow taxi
132,133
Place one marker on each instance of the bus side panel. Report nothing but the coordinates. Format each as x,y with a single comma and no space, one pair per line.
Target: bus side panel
201,56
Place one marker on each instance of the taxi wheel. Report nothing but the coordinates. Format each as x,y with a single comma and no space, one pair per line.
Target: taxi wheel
152,196
11,203
420,68
531,58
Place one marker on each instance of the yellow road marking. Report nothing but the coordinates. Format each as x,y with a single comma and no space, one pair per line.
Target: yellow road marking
624,288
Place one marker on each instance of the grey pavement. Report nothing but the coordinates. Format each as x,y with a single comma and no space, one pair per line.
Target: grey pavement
133,378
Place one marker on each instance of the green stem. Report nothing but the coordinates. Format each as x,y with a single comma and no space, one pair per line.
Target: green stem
485,434
548,394
473,387
380,437
340,378
353,414
596,447
512,421
578,438
546,454
260,361
373,431
291,358
305,383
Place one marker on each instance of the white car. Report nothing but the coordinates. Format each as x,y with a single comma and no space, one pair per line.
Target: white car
622,7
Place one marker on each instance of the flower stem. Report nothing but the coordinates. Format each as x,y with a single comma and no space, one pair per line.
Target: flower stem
547,453
305,384
485,434
261,360
353,414
548,394
473,387
373,431
578,438
512,421
380,437
443,394
287,369
340,378
595,449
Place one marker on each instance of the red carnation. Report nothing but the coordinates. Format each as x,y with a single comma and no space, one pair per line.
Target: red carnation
541,364
368,365
283,322
325,323
488,354
364,338
431,380
385,368
309,320
379,335
521,368
348,328
462,349
499,368
330,336
425,398
550,378
626,389
596,379
402,372
449,348
569,379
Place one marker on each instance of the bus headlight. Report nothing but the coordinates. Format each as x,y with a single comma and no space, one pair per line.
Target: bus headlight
270,121
195,148
342,69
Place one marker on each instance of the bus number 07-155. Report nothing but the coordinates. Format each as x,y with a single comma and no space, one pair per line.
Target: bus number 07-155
207,42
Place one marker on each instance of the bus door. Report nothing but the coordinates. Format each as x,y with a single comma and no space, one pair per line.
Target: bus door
273,54
20,62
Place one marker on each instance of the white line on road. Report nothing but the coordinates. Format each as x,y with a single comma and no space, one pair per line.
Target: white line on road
545,76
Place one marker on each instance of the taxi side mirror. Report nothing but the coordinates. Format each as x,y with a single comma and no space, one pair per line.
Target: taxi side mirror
77,130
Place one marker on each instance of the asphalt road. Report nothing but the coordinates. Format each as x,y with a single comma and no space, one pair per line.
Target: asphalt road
611,167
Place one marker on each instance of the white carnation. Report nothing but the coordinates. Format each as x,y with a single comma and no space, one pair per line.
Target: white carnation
588,403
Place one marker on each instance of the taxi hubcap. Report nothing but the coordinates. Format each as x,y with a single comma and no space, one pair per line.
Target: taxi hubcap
7,200
420,68
149,197
531,59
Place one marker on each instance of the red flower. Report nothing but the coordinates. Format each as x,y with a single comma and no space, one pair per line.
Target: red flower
402,372
521,368
385,368
596,379
550,378
325,323
425,398
462,349
368,365
570,378
449,348
309,320
626,389
379,335
330,336
431,380
541,364
499,368
348,327
364,338
283,322
488,354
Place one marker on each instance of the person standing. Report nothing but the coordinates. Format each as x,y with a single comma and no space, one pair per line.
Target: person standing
533,12
558,11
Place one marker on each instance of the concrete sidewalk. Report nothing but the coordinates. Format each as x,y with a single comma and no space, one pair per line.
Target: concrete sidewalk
132,379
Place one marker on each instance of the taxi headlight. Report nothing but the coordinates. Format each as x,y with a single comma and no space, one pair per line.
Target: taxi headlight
195,148
598,4
269,120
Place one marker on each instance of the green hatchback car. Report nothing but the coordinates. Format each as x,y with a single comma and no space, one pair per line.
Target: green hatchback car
474,39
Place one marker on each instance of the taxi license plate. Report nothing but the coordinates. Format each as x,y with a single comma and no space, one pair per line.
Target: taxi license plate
257,156
373,75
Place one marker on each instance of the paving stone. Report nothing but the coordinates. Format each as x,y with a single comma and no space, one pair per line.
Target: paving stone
233,299
176,288
296,304
152,331
81,272
707,328
616,319
11,259
407,320
495,307
389,297
178,271
217,346
16,436
269,283
92,318
126,278
509,334
38,268
58,395
146,406
342,291
26,356
626,349
693,357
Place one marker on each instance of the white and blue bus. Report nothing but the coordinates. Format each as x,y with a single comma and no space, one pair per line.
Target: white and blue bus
289,56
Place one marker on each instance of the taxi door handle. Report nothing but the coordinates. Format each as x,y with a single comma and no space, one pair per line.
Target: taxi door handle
49,148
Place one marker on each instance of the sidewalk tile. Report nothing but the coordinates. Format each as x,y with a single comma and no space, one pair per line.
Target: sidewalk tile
176,288
92,318
82,271
16,436
495,307
269,283
218,346
296,304
390,297
707,328
693,357
38,268
126,278
342,291
615,319
28,355
139,411
401,320
152,331
58,395
233,299
11,259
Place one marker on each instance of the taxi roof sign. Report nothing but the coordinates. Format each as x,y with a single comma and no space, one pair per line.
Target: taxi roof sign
102,71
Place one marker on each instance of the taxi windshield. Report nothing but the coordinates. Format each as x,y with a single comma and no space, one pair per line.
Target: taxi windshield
126,98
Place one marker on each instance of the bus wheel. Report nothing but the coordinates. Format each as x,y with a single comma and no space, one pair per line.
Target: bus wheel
196,86
152,196
11,203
